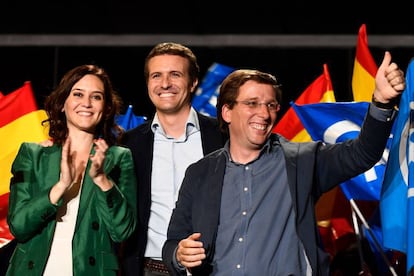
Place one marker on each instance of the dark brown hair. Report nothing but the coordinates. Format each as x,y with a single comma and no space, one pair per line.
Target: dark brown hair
107,127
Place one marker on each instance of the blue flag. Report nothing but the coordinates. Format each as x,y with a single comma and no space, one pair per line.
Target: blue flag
397,195
337,122
410,194
129,119
205,98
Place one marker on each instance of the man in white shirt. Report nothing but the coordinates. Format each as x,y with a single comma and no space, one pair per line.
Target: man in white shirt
162,149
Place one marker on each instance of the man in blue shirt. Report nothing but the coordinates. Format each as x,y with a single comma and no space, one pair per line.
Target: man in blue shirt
248,208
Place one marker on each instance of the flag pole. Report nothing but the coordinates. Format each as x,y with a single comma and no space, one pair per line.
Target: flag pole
356,210
358,235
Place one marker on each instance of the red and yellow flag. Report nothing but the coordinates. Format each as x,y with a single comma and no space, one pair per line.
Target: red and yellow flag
320,90
20,121
365,69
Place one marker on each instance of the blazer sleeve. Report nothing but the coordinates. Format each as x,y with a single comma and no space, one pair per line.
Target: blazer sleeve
117,206
29,208
339,162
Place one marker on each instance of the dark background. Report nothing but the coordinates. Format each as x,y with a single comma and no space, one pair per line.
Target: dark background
295,67
201,17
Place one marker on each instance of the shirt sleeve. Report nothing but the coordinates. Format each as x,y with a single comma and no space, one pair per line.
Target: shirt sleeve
383,115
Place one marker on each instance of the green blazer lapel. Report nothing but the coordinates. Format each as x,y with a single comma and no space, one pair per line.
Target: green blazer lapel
109,161
50,164
87,191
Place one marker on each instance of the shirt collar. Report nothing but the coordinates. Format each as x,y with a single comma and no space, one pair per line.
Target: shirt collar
192,124
268,147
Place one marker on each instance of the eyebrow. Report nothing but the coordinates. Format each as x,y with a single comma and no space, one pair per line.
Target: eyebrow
83,90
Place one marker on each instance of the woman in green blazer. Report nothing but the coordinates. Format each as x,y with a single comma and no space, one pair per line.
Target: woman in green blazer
73,197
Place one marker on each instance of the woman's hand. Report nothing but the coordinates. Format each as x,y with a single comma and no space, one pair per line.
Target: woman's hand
96,171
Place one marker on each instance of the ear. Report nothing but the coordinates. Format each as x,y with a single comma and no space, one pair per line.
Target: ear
194,85
226,113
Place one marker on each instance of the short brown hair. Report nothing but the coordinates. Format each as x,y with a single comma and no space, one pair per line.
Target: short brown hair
176,49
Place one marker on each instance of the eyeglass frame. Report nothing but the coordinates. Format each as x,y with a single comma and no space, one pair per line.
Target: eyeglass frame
253,105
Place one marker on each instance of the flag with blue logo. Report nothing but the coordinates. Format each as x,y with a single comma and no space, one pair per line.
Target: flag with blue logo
129,119
397,195
337,122
205,98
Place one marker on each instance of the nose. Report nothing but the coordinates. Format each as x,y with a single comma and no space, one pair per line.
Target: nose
263,110
165,82
86,101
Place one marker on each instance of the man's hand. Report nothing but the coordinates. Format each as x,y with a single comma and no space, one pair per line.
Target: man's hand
190,251
389,81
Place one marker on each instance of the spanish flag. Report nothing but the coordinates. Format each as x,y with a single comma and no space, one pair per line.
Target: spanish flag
320,90
20,121
365,69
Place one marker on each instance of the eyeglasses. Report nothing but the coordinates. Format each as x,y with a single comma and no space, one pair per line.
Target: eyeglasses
272,106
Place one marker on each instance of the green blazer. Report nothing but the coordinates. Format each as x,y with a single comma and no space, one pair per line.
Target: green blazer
103,217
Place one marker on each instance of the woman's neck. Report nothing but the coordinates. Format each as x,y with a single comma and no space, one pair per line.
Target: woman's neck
81,141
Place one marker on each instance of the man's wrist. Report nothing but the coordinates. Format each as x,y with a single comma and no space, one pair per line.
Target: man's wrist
176,263
390,105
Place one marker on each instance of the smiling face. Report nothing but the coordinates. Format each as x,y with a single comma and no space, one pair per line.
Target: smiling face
169,84
85,104
253,117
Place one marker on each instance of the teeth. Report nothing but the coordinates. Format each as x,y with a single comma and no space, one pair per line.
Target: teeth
85,113
258,126
164,95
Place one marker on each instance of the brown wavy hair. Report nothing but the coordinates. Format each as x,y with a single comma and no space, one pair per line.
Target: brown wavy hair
107,127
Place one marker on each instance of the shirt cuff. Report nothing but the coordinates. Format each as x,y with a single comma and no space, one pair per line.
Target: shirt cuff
380,114
176,263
